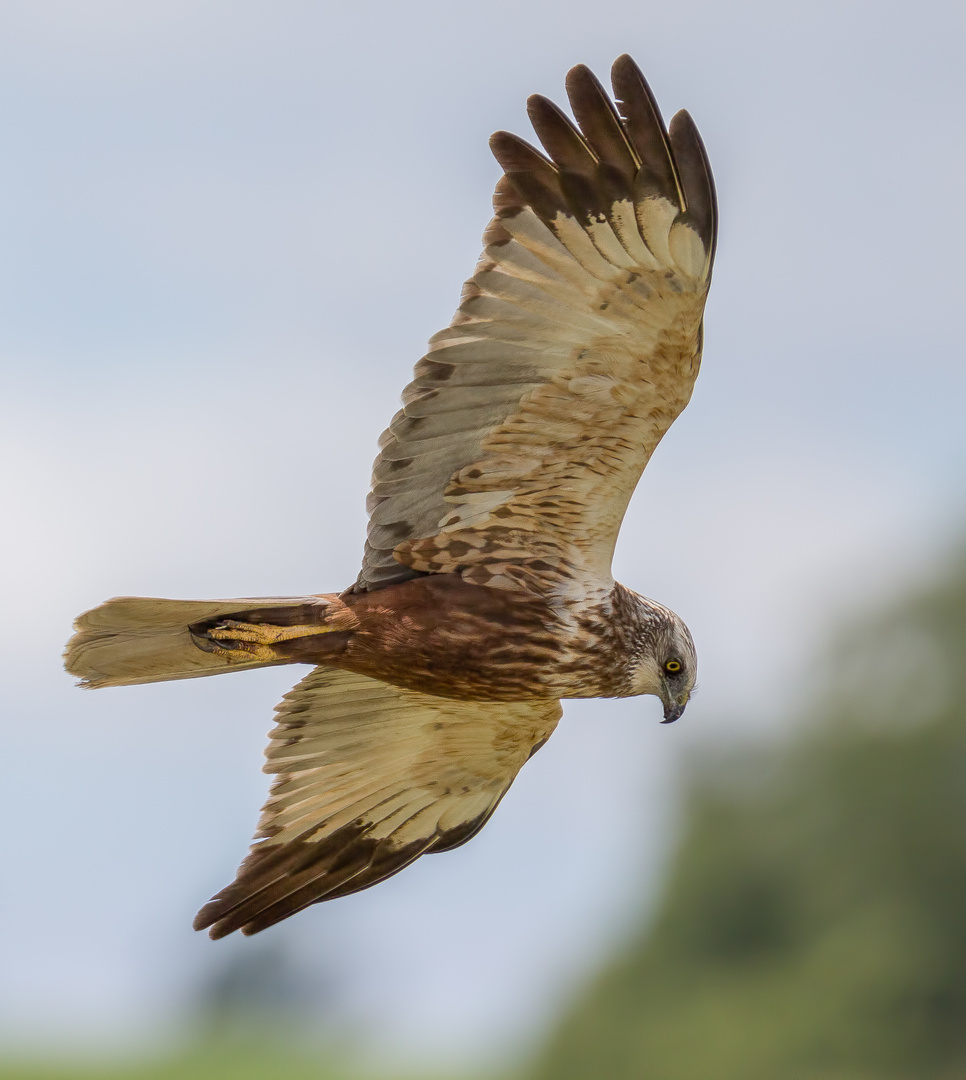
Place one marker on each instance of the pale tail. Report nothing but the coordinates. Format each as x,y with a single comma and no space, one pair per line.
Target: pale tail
138,639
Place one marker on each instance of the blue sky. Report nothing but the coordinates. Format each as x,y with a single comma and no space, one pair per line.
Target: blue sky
227,231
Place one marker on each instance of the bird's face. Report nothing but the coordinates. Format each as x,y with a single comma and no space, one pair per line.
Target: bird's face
667,666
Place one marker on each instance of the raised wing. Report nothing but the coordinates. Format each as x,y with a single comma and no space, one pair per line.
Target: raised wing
577,343
368,777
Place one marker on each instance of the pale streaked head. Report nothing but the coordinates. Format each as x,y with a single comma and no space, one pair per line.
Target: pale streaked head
666,665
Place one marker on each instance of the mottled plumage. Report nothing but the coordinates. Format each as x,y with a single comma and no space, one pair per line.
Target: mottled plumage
368,777
485,594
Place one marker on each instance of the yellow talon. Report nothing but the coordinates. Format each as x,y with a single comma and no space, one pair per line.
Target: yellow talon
261,633
244,652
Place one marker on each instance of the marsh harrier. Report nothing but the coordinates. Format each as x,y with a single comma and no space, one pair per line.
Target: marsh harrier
486,593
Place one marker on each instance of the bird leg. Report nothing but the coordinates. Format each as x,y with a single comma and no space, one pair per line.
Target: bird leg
262,633
245,642
239,641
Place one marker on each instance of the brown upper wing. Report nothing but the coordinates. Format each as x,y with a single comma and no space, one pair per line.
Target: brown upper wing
368,777
577,343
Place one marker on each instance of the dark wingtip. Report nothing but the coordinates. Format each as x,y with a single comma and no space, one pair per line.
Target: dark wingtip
644,125
625,67
203,919
697,181
514,153
579,76
538,105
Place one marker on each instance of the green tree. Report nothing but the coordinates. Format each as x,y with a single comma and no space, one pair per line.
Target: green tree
814,924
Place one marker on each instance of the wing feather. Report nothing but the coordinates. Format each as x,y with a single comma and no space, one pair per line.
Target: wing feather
575,346
696,179
601,124
368,777
645,129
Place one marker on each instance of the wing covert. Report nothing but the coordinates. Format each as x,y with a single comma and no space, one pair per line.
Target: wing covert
576,345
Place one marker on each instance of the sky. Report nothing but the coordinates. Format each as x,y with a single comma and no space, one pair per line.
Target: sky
226,232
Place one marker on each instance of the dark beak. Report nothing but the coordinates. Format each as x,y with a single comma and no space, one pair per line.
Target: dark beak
671,713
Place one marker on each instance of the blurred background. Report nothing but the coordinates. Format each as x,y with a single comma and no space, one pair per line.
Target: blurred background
227,231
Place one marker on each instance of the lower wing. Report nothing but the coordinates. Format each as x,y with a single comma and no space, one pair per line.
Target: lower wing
368,777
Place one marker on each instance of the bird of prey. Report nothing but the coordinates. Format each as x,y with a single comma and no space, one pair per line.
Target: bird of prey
485,594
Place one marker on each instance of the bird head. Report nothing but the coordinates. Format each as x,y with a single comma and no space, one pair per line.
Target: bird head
666,664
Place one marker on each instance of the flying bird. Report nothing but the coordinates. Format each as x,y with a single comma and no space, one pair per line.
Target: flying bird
485,594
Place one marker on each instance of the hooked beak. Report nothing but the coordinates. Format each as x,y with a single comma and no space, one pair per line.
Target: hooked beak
674,708
672,713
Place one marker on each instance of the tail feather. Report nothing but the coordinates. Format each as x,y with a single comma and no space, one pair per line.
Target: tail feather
137,639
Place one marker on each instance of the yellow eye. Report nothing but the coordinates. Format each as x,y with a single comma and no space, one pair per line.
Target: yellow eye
673,666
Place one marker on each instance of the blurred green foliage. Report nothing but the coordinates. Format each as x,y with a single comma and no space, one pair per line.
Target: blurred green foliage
814,924
228,1061
205,1063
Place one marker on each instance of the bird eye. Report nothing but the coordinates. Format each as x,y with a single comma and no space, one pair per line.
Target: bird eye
673,666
